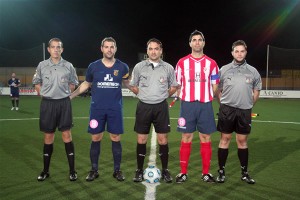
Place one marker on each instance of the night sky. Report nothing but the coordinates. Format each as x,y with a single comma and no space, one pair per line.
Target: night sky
83,24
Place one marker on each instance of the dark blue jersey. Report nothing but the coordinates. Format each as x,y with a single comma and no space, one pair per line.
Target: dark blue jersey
12,83
107,83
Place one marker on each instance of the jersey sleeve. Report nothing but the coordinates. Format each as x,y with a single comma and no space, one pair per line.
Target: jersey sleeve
125,72
37,77
215,78
73,76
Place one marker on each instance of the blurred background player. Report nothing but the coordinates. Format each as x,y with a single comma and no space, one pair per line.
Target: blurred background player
14,84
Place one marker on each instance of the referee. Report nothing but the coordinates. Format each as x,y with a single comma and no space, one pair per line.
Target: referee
238,91
153,81
54,80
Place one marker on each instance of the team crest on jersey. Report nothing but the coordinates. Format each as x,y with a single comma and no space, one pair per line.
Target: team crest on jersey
162,79
248,78
116,72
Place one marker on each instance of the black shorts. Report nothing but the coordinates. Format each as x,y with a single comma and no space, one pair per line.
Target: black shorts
146,114
55,113
234,120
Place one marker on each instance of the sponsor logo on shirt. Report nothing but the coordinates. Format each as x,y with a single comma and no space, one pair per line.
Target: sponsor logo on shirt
197,78
108,81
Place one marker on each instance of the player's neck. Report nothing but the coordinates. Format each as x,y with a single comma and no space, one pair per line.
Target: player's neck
55,60
108,62
197,54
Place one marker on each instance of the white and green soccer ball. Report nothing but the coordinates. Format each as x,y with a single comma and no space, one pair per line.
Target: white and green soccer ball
152,174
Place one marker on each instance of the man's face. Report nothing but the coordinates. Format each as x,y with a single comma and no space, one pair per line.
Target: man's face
239,53
154,51
108,49
197,43
55,49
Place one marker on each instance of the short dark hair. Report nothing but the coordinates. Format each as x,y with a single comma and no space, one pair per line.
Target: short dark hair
56,40
196,32
239,43
156,41
108,39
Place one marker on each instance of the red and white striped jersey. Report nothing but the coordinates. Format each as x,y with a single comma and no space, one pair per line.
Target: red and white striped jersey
196,77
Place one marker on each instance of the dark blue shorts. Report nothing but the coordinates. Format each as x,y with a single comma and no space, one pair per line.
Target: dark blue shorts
14,93
106,119
196,116
234,120
55,113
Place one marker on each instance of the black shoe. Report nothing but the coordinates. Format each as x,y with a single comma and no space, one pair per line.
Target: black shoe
138,176
93,174
245,177
166,176
181,178
221,177
118,175
73,176
43,176
208,178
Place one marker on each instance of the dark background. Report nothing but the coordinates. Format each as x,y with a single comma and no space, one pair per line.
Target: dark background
83,24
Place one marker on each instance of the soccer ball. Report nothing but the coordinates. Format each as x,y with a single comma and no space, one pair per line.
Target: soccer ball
152,174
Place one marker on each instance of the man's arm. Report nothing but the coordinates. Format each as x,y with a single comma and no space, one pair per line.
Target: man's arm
133,89
172,90
37,88
126,83
215,89
178,90
218,94
18,83
72,87
82,88
255,96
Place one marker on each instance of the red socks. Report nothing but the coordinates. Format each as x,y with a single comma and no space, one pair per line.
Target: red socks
205,152
185,152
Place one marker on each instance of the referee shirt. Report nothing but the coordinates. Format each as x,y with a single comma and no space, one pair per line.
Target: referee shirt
153,82
237,83
55,78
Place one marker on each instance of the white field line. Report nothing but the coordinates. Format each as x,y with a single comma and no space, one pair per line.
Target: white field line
151,188
152,156
258,121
